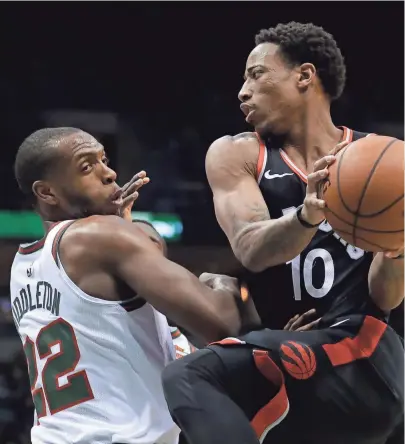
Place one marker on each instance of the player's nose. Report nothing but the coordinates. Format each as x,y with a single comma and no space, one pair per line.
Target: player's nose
245,93
109,175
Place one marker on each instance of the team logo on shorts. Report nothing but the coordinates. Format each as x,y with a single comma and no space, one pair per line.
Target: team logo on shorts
298,359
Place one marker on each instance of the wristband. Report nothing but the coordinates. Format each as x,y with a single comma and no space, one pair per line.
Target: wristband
303,222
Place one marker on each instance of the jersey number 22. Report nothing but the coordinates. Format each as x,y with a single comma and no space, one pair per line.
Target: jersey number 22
77,389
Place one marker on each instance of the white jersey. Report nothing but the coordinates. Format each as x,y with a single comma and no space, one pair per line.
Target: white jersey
94,365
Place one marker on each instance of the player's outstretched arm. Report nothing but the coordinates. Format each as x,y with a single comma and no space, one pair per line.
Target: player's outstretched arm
257,240
386,281
131,257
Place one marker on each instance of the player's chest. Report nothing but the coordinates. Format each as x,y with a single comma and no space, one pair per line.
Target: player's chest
282,188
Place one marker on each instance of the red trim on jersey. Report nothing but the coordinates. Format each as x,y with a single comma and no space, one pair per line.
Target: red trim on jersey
347,136
292,166
32,248
361,346
277,408
228,341
176,333
260,160
56,240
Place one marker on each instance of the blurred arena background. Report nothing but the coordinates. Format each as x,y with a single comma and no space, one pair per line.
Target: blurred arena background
157,83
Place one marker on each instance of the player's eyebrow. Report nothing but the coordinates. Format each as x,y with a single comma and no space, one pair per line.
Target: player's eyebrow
85,151
251,68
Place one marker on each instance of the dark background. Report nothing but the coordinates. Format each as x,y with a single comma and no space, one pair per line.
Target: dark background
169,73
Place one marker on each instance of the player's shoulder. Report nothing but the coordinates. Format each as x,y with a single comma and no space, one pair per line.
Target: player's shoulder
237,150
229,144
96,234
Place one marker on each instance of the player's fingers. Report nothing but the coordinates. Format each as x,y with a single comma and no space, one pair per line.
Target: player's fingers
309,326
399,254
339,147
324,162
130,199
314,202
136,186
136,177
304,318
290,322
314,179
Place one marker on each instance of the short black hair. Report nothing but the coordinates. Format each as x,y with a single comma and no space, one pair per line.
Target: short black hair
37,154
306,43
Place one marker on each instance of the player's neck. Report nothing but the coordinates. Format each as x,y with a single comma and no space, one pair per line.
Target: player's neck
313,136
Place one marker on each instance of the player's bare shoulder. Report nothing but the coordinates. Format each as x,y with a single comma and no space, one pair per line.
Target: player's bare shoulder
96,238
233,153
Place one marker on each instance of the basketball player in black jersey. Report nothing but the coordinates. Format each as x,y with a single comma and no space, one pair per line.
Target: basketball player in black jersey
340,383
273,220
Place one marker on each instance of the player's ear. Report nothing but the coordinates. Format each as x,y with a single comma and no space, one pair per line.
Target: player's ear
44,192
307,72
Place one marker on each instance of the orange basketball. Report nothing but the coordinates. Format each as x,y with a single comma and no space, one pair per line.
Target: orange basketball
365,193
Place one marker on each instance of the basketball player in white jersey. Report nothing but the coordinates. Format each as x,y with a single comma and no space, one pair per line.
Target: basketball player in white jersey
95,349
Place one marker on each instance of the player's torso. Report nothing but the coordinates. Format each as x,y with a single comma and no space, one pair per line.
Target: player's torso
328,272
94,365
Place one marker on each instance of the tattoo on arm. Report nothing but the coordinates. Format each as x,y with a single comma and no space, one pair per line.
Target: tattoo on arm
258,213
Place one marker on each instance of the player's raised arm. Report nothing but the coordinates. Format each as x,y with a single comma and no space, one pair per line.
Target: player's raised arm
133,259
257,240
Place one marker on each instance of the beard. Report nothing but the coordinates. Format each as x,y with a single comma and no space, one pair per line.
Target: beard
79,207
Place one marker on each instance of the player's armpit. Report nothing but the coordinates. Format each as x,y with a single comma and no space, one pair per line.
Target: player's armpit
131,257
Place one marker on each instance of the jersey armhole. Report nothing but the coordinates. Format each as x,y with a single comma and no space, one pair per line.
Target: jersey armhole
262,158
56,242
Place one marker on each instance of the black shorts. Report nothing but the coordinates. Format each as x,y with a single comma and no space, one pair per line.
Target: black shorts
341,385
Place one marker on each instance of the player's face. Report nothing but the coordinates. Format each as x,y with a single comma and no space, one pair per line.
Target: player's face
83,183
270,97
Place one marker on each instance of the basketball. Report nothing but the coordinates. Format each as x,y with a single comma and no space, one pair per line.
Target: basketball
364,194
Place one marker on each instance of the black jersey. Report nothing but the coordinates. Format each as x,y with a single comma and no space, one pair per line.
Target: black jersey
329,275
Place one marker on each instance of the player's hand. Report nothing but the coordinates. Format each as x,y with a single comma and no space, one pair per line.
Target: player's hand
396,254
220,282
249,317
339,147
313,210
131,193
303,322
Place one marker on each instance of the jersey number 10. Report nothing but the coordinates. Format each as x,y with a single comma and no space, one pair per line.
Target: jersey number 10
77,389
307,271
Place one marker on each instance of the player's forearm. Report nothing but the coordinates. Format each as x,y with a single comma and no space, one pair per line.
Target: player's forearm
386,281
265,244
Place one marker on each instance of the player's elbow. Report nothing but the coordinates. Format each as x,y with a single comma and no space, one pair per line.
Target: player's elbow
387,301
245,250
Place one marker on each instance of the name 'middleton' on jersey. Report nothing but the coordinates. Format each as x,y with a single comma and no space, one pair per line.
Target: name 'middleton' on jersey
94,365
329,275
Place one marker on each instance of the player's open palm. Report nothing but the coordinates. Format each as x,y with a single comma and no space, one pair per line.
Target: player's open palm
130,192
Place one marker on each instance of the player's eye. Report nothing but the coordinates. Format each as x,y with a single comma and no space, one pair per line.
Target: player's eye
106,160
257,73
86,168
